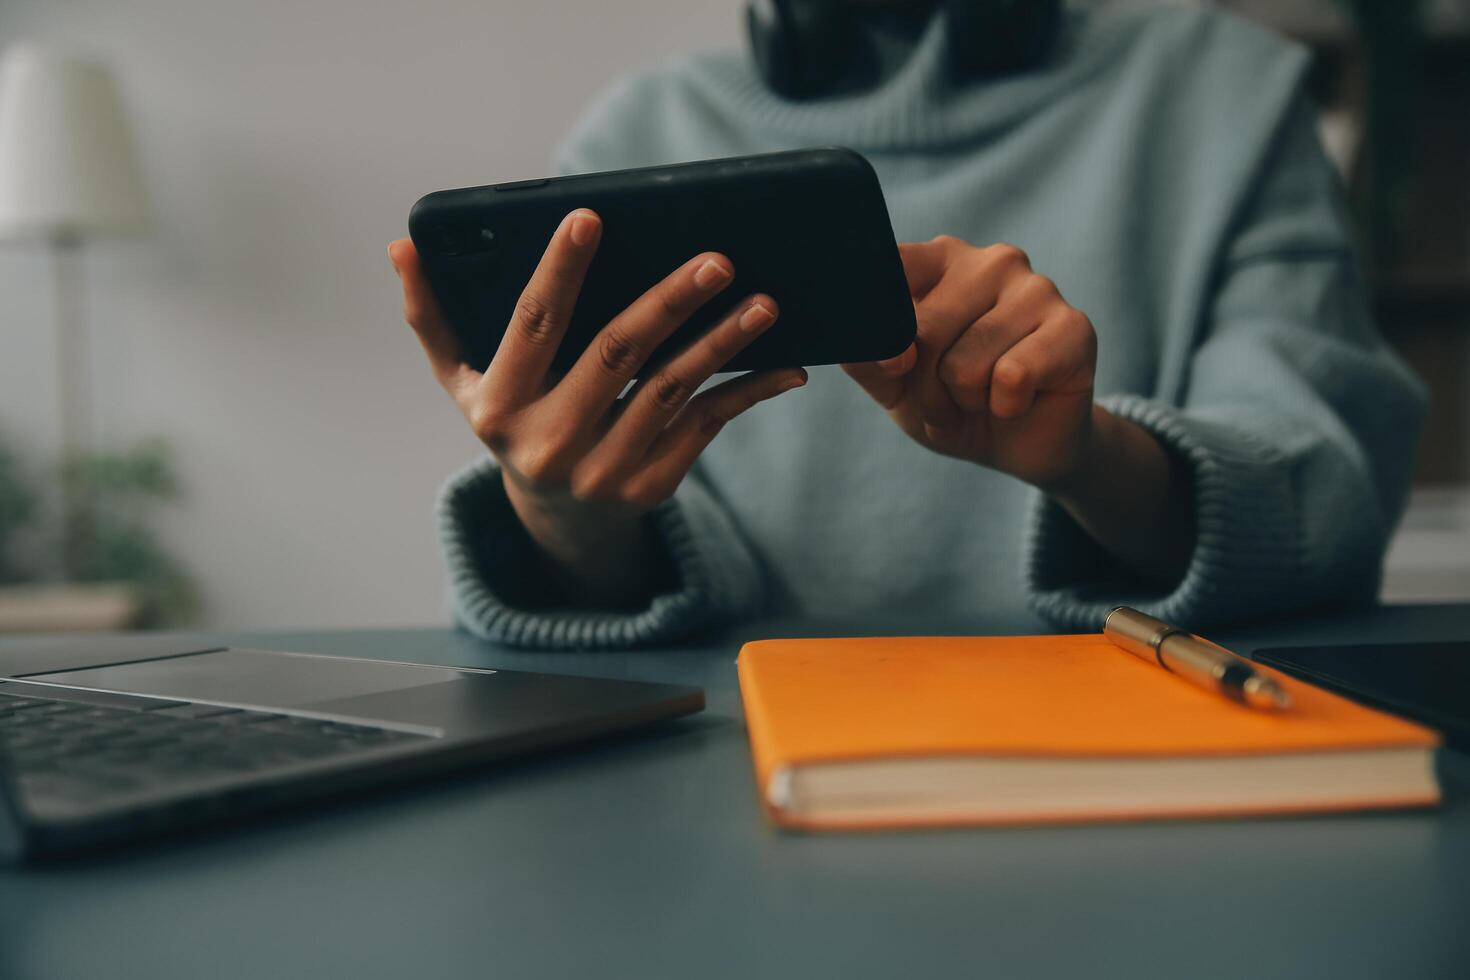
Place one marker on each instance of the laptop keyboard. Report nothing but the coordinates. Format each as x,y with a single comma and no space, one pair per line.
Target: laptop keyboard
73,753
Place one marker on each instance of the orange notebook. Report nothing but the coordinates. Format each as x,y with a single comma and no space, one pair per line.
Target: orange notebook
878,732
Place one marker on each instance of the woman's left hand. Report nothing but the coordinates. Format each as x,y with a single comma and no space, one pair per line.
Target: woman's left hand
1001,372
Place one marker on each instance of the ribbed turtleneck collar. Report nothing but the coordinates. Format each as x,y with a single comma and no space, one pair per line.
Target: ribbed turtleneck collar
918,104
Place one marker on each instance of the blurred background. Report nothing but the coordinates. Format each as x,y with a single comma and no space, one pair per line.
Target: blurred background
263,442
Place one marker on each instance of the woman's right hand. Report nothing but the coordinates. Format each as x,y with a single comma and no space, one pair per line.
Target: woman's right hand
581,464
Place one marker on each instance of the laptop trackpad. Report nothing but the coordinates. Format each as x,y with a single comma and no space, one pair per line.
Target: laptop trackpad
254,678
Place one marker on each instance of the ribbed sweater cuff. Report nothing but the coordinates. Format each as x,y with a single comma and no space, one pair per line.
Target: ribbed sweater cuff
1247,553
489,560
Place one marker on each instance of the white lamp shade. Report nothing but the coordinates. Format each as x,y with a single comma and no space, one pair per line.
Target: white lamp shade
67,166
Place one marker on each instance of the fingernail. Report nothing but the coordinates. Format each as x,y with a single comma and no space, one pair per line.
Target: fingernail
584,227
711,274
795,382
392,261
756,317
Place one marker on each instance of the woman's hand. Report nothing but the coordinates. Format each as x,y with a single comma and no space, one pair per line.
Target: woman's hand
581,464
1001,371
1001,374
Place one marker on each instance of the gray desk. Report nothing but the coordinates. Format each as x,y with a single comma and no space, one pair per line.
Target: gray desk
649,858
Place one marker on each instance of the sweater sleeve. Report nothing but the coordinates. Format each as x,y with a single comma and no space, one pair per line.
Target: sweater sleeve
1297,424
499,590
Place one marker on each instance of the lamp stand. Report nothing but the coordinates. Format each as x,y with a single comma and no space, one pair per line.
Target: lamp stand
74,376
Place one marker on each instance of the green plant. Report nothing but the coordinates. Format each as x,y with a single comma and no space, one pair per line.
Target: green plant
108,534
17,506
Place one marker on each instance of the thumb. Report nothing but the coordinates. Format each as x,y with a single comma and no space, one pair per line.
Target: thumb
885,380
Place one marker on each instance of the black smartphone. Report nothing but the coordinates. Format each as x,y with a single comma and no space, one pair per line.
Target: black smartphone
808,227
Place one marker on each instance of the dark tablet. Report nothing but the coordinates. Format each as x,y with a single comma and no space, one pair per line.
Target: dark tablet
1426,682
808,227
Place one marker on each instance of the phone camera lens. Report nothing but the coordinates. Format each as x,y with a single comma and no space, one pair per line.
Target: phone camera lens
468,240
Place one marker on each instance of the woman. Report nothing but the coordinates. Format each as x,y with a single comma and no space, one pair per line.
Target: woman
1207,426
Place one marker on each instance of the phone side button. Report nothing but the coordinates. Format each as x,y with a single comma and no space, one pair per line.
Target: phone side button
521,185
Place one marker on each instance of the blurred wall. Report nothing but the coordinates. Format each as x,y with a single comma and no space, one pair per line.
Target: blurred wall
258,327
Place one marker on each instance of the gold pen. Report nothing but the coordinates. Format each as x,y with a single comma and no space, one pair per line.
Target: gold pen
1197,660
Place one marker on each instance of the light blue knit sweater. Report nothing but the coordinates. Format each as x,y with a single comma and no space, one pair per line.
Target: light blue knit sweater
1164,171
